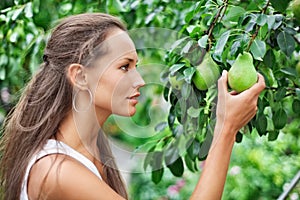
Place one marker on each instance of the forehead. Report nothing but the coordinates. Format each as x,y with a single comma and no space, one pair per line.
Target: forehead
119,44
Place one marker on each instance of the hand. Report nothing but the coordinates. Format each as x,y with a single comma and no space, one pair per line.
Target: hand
235,110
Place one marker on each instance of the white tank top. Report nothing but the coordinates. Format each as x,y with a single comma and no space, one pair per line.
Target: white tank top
55,147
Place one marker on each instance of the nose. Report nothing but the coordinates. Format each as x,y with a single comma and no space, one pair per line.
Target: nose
137,80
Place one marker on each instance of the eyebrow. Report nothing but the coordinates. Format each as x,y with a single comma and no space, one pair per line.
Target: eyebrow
130,59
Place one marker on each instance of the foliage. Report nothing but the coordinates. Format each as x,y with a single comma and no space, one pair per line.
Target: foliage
223,29
259,169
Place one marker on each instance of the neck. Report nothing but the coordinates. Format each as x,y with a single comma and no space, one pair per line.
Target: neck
80,131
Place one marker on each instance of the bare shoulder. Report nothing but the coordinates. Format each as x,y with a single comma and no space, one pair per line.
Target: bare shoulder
59,176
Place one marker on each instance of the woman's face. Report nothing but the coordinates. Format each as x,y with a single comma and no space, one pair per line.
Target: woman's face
117,81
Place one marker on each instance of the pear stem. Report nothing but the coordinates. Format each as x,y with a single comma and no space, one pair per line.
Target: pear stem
257,27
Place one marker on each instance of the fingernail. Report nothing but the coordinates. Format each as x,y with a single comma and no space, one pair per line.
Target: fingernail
223,72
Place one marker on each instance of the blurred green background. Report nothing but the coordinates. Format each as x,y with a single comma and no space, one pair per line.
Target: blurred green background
259,169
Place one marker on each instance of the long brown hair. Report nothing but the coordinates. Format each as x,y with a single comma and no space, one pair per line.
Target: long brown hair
48,97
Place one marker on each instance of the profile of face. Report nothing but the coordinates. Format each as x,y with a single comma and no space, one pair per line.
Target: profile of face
117,80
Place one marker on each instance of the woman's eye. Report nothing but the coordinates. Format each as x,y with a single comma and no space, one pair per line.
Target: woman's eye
124,67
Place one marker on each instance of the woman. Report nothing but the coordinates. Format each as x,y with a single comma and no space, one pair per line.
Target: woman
51,146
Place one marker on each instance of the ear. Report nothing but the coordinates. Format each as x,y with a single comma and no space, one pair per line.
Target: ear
77,76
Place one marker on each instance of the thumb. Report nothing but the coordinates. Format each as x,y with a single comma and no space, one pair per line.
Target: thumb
259,86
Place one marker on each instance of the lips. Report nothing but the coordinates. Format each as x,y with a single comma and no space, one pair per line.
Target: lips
133,98
136,95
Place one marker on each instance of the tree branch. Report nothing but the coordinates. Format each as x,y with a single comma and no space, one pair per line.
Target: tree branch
210,30
257,27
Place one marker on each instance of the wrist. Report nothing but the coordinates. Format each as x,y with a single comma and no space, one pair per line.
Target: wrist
225,132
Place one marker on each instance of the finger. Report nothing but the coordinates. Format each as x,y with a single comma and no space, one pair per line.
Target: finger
222,82
259,85
233,92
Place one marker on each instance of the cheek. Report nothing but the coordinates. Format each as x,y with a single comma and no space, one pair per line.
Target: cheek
109,92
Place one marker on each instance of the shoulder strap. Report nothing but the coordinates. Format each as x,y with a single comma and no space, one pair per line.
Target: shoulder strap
56,147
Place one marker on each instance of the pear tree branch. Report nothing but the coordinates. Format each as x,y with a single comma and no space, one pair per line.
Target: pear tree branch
263,11
212,25
219,15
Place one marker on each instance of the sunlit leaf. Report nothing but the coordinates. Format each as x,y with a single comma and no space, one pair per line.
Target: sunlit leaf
221,44
202,42
258,49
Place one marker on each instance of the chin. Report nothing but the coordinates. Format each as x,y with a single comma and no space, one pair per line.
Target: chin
131,112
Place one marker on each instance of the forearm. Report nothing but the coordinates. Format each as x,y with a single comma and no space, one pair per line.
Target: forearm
211,183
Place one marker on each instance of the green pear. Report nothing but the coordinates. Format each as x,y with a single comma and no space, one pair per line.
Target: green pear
175,83
242,74
207,73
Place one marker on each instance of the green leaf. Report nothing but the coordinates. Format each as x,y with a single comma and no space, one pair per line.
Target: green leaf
273,135
239,137
115,7
234,13
148,157
3,60
171,154
28,10
156,175
188,74
279,118
166,91
280,94
278,21
177,167
2,74
150,17
16,13
205,146
36,6
193,149
194,112
269,59
171,117
289,71
296,106
220,45
175,68
262,19
189,163
202,42
286,43
186,91
187,47
258,49
280,5
271,21
189,16
261,124
161,126
157,160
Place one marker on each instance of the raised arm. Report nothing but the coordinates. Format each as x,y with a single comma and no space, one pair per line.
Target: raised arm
233,112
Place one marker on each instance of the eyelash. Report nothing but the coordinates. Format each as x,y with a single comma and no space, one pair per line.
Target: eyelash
124,67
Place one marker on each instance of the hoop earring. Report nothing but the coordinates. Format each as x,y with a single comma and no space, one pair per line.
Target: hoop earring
74,101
